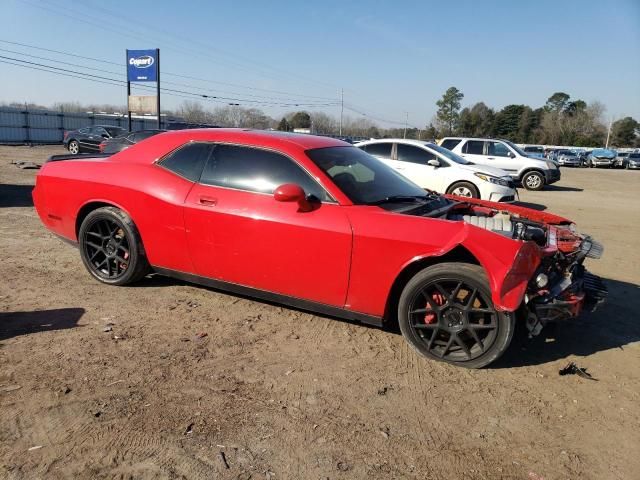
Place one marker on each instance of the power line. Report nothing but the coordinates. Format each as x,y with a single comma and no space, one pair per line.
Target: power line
118,82
119,64
294,101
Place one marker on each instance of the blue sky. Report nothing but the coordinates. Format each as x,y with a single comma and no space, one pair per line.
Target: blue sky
389,57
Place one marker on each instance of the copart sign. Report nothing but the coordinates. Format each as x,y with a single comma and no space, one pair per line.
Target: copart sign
142,65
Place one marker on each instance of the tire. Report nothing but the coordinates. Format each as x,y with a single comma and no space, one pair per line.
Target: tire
73,147
111,248
465,189
441,335
533,180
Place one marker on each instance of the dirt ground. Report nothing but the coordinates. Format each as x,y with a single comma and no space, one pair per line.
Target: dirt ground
274,393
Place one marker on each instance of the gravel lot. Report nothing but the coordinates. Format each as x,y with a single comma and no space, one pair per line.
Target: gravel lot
107,382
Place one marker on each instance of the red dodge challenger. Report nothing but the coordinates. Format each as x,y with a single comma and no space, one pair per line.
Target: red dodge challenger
317,224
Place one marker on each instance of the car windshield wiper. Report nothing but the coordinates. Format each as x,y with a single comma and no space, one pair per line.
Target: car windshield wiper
400,199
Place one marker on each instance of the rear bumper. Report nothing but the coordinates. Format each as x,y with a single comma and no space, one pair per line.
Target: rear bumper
552,176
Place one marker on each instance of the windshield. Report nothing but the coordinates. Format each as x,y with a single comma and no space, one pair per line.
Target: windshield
603,153
448,154
362,178
516,148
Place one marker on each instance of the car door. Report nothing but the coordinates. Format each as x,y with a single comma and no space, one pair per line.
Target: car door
500,155
237,232
473,150
413,164
95,136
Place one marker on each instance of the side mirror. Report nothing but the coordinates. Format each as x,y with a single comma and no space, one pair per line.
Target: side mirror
512,155
104,135
433,162
290,192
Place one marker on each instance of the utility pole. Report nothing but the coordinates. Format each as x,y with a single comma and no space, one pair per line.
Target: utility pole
609,132
406,124
341,108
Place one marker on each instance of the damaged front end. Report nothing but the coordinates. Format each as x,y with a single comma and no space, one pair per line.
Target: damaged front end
560,288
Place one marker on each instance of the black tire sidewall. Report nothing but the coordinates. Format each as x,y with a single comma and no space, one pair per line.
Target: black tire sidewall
136,254
472,275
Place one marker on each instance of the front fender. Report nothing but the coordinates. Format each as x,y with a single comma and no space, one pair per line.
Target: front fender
509,264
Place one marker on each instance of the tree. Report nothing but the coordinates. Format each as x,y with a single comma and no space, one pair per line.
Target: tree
300,120
573,108
284,126
430,132
507,121
624,132
448,112
557,102
323,123
193,112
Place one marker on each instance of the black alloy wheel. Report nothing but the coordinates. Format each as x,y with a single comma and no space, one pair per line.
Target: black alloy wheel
448,315
111,247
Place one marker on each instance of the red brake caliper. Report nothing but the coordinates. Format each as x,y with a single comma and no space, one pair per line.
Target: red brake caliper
431,317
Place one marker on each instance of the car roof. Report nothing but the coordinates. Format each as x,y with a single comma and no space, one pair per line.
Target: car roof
477,138
159,144
267,137
406,141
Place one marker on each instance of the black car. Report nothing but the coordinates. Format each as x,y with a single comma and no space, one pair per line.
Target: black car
88,139
119,143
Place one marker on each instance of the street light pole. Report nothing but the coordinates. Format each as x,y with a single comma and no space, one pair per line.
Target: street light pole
406,124
341,108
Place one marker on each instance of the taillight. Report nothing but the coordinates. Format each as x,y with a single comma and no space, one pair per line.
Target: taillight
66,134
101,146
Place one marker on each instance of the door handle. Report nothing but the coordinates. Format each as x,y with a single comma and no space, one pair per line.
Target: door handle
208,201
490,158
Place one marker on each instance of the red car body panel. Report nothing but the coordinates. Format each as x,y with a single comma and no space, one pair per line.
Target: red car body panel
339,254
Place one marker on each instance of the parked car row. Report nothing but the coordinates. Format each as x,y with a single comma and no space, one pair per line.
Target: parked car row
599,157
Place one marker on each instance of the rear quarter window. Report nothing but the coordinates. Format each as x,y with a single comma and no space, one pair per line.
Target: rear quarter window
188,161
450,143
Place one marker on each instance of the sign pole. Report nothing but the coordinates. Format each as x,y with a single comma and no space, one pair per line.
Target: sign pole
158,85
128,94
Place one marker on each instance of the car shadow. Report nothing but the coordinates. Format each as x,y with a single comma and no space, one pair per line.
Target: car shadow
533,206
613,325
14,324
561,188
16,196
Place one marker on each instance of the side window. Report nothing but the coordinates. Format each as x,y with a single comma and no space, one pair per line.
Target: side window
473,147
98,131
255,170
497,149
380,150
450,143
188,161
409,153
84,130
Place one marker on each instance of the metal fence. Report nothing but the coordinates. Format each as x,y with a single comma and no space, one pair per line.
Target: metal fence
30,126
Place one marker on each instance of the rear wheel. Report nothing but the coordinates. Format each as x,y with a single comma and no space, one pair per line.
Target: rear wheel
111,247
74,147
533,180
446,313
464,189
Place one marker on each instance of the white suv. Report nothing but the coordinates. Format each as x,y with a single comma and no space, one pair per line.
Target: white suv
532,173
436,168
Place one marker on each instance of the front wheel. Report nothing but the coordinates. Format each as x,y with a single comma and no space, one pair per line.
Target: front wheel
533,181
446,313
464,189
111,247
